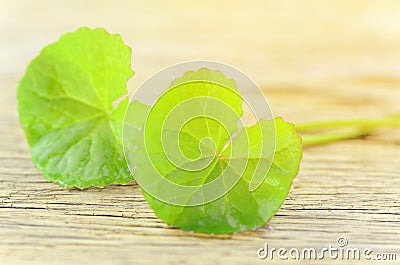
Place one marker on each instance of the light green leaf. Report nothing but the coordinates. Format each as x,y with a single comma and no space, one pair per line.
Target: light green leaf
208,145
65,103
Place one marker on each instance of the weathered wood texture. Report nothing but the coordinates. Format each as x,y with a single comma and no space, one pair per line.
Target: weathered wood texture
314,60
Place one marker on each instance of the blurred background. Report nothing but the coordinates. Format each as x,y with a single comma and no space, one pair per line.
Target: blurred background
337,57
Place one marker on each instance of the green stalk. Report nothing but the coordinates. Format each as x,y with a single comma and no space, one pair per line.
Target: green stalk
363,123
310,140
353,129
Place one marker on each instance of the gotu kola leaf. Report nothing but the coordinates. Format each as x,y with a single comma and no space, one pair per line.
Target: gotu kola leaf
149,134
65,103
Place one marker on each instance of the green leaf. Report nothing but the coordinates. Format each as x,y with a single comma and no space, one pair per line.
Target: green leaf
212,153
66,108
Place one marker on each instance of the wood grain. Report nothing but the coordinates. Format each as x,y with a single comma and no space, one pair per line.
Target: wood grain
314,60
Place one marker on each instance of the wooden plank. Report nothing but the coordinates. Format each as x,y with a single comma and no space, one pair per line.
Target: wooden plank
314,60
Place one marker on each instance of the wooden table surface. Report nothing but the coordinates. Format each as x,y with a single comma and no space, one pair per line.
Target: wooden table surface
314,60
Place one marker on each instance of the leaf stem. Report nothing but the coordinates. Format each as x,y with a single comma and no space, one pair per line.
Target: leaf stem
364,123
320,132
310,140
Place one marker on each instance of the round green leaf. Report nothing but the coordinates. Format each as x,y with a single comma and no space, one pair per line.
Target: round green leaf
67,108
243,206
